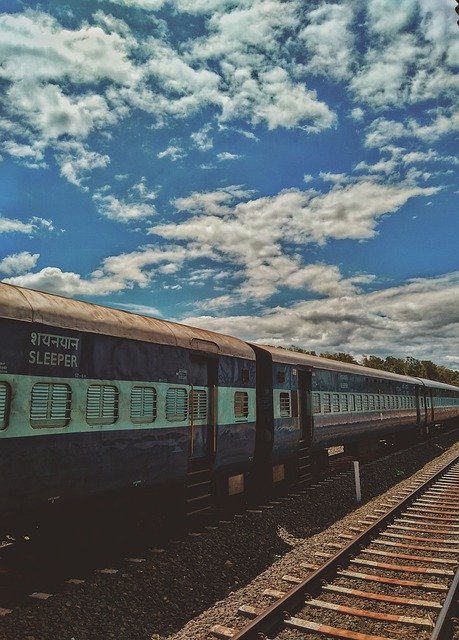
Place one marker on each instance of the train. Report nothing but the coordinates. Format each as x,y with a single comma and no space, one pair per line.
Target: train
98,402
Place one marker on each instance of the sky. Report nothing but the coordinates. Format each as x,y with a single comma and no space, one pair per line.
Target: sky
278,170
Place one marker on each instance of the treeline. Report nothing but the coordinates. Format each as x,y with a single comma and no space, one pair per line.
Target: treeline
406,366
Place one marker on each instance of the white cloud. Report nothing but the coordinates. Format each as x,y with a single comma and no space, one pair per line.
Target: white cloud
147,5
122,211
225,155
35,224
116,274
18,263
357,114
382,131
329,41
411,54
142,309
202,139
419,318
258,235
173,153
76,160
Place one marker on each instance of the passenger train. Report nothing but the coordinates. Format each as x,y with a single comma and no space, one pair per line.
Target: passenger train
96,402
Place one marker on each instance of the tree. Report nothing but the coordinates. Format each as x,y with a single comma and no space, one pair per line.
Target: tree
341,356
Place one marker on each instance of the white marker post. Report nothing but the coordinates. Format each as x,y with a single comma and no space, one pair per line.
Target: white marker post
358,492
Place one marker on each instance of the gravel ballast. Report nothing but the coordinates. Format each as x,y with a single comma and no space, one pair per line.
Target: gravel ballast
202,580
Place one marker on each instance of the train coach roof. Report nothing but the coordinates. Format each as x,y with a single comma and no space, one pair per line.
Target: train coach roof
296,358
439,385
36,306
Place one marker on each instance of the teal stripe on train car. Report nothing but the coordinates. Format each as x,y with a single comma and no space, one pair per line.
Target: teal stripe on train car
18,410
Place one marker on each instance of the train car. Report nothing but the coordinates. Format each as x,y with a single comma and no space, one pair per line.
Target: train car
97,401
439,403
308,404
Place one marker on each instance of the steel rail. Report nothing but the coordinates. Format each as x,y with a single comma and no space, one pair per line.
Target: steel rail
442,628
272,617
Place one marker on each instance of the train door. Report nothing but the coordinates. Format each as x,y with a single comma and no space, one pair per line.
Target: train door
304,409
202,408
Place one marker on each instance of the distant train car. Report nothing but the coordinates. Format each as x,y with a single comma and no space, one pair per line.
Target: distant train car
306,404
438,403
99,401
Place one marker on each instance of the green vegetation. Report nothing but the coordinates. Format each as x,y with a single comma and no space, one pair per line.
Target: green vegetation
406,366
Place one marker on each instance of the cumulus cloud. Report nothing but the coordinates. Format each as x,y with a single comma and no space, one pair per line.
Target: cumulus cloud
329,41
173,153
403,320
258,235
33,225
115,274
202,139
76,160
18,263
226,155
382,131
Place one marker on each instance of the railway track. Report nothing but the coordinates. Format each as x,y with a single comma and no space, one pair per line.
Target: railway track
29,569
396,578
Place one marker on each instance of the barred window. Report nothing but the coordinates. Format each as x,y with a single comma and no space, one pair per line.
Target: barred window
365,403
241,404
387,402
335,402
327,402
422,402
392,402
371,403
50,405
176,404
316,402
143,404
198,404
102,404
285,406
344,402
5,398
377,403
352,402
358,402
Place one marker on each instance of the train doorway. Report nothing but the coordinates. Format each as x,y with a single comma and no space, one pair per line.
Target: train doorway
304,408
202,408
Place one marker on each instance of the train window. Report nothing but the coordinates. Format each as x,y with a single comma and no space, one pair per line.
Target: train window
327,402
365,403
143,404
371,403
344,403
102,404
5,396
422,402
316,402
358,403
377,403
176,404
352,402
241,404
285,406
245,375
335,402
50,405
198,404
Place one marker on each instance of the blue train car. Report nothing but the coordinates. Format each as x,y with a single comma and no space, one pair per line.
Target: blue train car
308,403
99,401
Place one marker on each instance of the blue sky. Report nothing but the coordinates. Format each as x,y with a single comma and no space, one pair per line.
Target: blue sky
273,169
